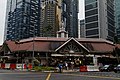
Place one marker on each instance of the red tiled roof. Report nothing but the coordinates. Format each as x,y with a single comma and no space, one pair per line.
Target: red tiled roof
44,39
38,46
12,45
50,44
99,47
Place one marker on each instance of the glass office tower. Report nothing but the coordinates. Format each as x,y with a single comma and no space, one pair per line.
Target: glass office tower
22,19
82,28
117,17
70,16
99,19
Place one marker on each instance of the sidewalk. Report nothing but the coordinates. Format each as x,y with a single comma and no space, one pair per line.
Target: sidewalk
74,70
26,70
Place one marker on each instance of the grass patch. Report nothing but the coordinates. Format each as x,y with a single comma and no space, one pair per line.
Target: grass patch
39,68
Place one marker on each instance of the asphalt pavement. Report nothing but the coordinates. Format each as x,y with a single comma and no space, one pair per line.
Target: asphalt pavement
66,75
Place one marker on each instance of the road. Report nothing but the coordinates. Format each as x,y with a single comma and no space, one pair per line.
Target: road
16,75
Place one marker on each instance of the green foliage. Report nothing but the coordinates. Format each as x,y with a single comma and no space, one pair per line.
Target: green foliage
116,53
116,40
47,30
40,68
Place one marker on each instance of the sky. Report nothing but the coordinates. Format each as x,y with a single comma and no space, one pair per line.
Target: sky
3,15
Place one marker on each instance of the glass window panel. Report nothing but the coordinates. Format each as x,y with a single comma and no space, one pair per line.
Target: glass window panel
91,19
92,25
91,12
89,1
91,6
92,32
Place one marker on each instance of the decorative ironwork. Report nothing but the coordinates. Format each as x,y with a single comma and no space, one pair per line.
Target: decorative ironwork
71,47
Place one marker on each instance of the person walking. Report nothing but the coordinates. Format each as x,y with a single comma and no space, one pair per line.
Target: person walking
60,67
66,65
72,65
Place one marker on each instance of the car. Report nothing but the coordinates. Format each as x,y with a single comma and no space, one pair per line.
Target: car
107,68
117,69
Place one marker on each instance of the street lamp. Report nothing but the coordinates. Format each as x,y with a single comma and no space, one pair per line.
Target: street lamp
33,54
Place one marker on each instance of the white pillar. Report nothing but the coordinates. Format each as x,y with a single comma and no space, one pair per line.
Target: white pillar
57,35
95,61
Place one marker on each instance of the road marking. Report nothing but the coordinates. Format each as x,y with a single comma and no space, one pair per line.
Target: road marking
48,77
93,76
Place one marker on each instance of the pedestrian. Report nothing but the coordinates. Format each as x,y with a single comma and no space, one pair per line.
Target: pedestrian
66,65
60,67
72,65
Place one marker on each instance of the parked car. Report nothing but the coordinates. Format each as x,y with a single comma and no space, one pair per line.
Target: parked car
117,69
107,68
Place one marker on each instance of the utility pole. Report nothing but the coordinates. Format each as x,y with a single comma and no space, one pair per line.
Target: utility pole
33,54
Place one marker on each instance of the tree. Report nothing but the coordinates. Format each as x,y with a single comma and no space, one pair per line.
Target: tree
116,41
47,31
116,51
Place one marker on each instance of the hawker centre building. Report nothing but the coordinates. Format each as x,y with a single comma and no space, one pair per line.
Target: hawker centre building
50,51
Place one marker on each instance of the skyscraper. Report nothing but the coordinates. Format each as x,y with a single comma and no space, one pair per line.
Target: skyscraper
22,19
99,19
50,17
117,17
82,28
70,16
53,12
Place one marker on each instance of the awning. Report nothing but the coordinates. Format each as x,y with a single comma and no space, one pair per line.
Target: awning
57,55
65,55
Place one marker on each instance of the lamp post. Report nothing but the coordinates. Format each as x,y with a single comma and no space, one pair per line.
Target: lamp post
33,53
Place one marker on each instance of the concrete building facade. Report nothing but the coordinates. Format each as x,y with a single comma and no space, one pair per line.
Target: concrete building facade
117,18
99,19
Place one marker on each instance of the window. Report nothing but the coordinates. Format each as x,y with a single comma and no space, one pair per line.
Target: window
111,33
92,37
91,19
110,9
91,6
111,21
89,1
110,15
92,25
91,12
92,32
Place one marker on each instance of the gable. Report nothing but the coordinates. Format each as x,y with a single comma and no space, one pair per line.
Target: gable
4,49
71,45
